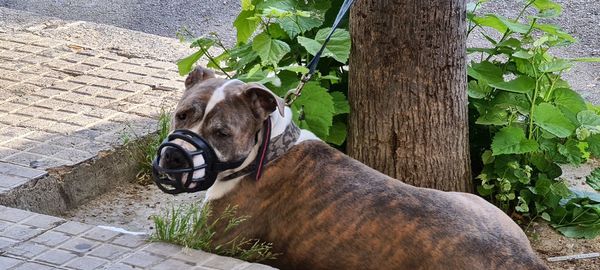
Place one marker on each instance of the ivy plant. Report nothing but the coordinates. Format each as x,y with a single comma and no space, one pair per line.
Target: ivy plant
526,120
275,40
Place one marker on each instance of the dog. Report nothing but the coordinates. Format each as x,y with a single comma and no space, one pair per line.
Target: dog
321,209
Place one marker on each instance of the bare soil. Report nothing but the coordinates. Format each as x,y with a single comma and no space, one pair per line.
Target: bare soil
130,206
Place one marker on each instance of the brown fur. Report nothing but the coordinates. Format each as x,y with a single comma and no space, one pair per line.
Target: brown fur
324,210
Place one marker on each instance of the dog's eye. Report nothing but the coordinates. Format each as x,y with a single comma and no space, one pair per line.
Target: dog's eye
222,133
181,116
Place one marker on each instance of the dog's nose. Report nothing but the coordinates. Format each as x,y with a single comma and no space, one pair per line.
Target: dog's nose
173,158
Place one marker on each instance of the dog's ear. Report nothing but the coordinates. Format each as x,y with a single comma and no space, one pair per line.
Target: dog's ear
197,75
263,100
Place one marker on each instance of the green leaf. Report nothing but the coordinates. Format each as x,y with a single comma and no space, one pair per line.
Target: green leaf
185,65
337,133
552,120
581,231
492,115
572,152
245,28
501,24
340,103
318,108
590,120
586,59
568,101
522,54
509,100
556,65
593,180
522,84
247,5
511,140
554,30
546,216
270,50
295,25
594,144
485,71
478,89
338,47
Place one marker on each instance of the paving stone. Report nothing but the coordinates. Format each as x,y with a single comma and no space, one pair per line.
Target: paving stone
35,59
73,228
100,234
24,158
26,250
13,119
10,181
171,264
68,141
20,232
49,163
13,55
11,169
89,134
53,103
44,222
32,266
25,89
39,123
46,149
63,128
86,263
51,238
109,251
32,111
20,144
40,136
137,61
74,58
128,240
9,45
79,69
79,245
58,64
121,266
6,242
107,83
6,262
73,155
142,259
55,257
66,85
27,100
11,106
162,65
121,66
29,49
134,87
12,214
81,120
121,106
95,146
114,94
219,262
89,90
97,62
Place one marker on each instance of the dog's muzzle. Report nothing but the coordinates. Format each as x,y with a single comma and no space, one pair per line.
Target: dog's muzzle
197,177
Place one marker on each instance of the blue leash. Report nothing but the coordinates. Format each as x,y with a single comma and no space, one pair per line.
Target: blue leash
291,95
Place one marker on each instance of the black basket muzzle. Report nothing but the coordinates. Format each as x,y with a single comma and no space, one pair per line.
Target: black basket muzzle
171,180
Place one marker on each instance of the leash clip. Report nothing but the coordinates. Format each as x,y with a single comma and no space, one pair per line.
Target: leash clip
293,94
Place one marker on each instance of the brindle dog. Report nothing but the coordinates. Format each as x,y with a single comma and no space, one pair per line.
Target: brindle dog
324,210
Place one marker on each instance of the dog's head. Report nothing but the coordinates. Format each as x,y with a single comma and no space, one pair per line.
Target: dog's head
228,114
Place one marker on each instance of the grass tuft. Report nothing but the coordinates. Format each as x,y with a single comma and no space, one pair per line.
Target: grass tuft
144,151
188,226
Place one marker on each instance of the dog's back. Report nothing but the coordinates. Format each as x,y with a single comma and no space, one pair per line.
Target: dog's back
323,210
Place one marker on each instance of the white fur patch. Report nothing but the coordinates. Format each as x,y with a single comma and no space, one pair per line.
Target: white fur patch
306,135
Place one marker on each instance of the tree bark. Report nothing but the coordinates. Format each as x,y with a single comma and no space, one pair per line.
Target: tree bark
408,91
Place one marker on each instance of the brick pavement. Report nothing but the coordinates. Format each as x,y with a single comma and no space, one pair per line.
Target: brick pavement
34,241
61,103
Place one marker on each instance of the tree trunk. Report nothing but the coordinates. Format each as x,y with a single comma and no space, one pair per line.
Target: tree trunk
408,91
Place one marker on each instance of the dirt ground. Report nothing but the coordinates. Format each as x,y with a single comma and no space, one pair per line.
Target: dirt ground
130,207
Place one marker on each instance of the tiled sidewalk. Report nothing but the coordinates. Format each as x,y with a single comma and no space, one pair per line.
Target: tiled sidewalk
40,242
62,103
